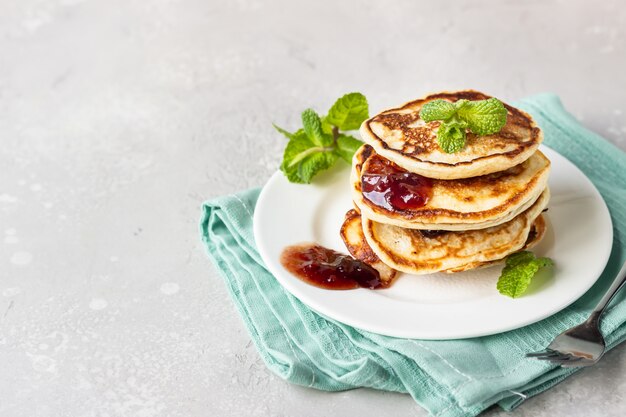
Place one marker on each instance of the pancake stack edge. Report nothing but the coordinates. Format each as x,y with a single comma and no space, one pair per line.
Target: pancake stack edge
480,205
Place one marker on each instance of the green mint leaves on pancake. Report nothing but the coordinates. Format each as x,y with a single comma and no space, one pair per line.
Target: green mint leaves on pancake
519,270
437,110
482,117
319,143
451,136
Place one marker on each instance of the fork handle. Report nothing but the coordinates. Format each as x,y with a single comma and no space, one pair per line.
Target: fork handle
617,285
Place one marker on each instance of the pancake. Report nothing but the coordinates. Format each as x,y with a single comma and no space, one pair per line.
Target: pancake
537,231
419,252
461,204
352,235
402,137
354,239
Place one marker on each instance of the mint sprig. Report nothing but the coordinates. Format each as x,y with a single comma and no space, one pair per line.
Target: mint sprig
518,272
482,117
319,143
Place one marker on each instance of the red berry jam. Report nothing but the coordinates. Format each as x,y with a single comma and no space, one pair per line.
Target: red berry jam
326,268
388,186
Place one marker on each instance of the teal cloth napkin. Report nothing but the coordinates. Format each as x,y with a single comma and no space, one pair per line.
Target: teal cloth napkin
448,378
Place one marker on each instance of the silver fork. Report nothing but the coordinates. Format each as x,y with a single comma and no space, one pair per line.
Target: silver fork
582,345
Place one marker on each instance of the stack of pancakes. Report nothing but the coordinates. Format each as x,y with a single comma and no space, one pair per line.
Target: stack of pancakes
482,204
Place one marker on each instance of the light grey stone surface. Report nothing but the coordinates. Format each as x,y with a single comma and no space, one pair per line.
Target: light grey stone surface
117,118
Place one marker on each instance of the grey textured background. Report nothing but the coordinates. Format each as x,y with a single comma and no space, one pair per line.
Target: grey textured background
118,118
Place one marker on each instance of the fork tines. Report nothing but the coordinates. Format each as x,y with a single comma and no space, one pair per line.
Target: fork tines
553,356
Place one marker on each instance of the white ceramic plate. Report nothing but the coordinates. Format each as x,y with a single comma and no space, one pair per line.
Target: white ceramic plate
439,306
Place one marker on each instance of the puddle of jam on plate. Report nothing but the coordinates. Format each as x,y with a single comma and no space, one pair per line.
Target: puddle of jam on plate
326,268
388,186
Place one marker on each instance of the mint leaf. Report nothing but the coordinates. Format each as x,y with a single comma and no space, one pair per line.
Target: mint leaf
483,117
348,112
437,110
460,103
520,258
315,163
286,133
451,136
295,152
347,146
303,159
326,127
319,144
313,128
518,272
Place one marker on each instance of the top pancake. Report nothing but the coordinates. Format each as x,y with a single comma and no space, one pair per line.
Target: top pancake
402,137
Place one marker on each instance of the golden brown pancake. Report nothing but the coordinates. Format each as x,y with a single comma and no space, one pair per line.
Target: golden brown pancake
419,252
352,235
402,137
537,231
460,204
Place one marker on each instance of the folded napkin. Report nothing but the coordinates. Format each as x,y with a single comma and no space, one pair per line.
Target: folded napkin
447,378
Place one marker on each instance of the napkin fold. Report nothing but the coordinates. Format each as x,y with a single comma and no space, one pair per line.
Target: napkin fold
448,378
